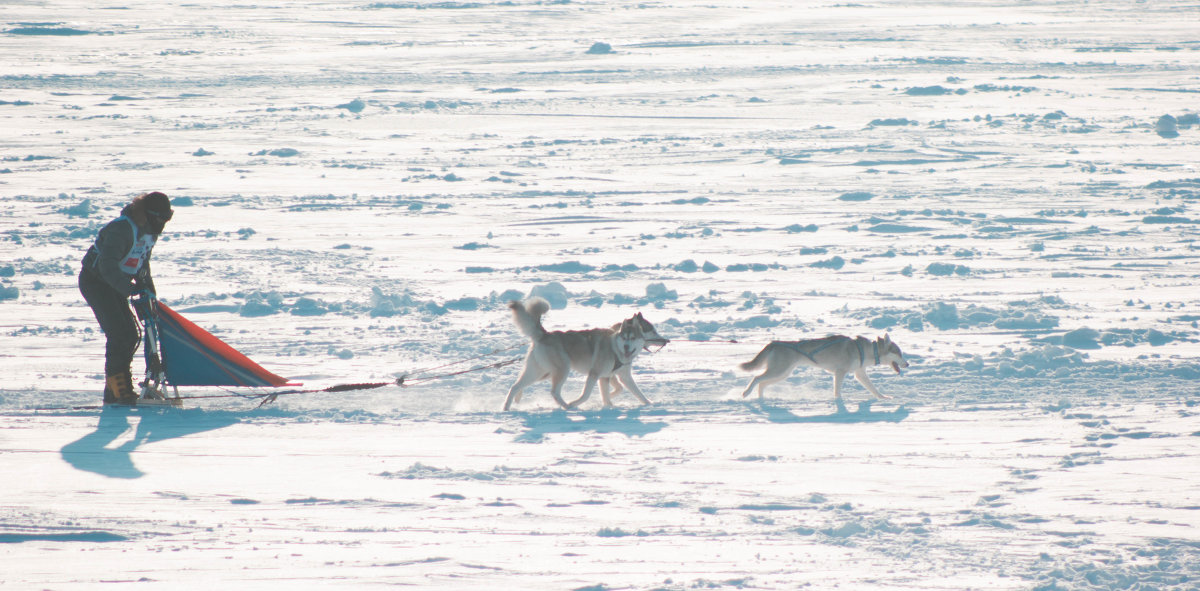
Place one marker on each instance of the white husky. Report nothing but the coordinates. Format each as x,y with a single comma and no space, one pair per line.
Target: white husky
603,354
624,374
837,354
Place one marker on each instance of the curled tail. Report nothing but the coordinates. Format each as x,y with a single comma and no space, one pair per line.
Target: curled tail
527,316
758,360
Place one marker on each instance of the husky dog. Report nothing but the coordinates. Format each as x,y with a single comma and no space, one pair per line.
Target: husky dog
604,354
837,354
623,377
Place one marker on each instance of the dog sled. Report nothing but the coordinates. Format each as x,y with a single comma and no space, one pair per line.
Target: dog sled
180,353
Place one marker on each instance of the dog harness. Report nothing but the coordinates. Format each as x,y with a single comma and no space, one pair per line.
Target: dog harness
862,359
812,355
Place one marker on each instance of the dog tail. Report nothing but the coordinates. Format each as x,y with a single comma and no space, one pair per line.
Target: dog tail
527,316
758,360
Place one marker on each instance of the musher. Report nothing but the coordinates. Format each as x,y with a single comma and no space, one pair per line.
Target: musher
116,267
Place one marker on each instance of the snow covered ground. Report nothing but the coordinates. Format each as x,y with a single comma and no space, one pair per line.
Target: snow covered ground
1008,188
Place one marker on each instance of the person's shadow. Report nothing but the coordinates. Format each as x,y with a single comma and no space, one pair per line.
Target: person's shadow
91,453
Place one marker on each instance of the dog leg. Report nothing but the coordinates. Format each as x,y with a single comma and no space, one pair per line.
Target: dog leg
592,378
762,385
624,376
528,377
513,394
761,381
768,377
605,394
838,378
609,387
557,379
615,383
861,376
750,387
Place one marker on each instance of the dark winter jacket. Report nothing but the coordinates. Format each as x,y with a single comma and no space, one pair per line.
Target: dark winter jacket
115,260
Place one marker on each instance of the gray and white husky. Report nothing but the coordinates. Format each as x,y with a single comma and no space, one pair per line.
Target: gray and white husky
623,377
605,355
836,354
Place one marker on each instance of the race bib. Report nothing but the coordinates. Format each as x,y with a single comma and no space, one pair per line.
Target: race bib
135,259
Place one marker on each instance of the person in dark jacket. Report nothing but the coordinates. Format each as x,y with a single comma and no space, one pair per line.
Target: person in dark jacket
116,267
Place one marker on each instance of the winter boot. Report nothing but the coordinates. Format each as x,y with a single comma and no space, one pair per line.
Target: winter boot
110,395
118,389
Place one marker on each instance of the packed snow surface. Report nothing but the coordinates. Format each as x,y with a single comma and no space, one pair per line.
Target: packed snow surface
1009,189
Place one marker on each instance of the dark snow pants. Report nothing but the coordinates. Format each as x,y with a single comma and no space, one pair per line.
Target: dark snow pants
116,319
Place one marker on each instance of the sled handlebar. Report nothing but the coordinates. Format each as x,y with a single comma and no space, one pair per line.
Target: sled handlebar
145,304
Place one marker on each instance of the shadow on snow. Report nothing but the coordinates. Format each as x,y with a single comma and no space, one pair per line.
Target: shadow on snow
627,422
864,414
91,453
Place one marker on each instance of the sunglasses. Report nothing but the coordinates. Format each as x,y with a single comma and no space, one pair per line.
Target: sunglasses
160,216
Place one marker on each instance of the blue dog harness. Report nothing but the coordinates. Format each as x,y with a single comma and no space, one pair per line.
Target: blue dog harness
812,355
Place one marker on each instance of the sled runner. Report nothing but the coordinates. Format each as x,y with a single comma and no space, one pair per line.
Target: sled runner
179,353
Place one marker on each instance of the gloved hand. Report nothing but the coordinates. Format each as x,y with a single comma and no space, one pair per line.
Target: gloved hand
142,284
144,304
